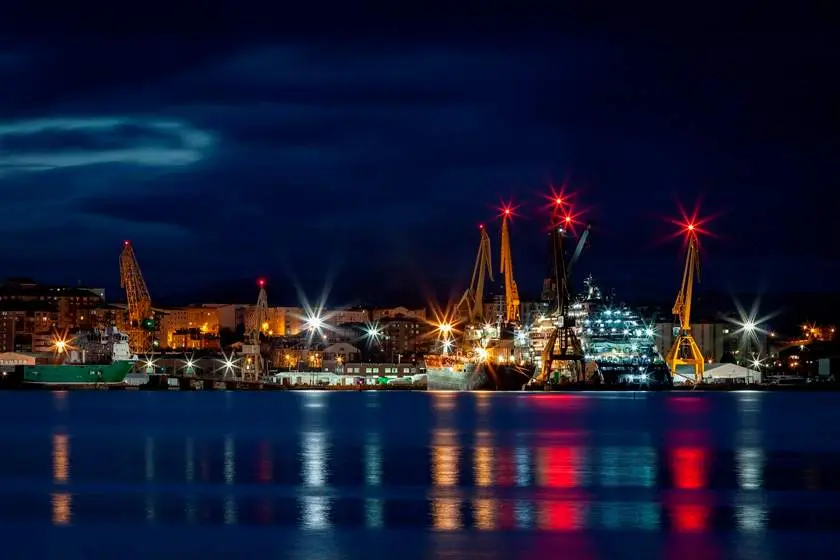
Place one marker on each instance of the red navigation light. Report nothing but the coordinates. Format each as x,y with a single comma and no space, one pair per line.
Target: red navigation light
559,198
692,226
507,210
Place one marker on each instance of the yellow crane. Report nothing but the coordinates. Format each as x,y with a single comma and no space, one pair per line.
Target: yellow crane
473,299
139,301
684,350
255,365
511,290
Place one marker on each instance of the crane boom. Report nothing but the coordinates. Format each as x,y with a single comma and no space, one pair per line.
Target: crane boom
473,298
138,299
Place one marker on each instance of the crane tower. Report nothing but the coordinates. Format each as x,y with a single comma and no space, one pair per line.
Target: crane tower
138,299
684,350
511,290
563,348
254,365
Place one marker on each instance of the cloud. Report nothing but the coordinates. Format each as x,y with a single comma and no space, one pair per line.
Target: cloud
59,143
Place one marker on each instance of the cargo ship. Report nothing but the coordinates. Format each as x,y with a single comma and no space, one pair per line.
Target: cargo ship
93,359
474,373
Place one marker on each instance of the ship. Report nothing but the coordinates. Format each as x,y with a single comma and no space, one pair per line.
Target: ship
619,345
490,352
477,370
94,358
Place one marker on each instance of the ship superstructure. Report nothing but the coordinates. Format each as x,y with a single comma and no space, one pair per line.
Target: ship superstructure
616,340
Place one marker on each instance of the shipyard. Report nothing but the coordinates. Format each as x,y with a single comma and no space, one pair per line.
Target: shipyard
575,337
329,281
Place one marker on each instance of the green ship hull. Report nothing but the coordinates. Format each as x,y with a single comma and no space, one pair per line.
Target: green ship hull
77,374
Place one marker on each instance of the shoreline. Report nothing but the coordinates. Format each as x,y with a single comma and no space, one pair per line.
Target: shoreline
191,385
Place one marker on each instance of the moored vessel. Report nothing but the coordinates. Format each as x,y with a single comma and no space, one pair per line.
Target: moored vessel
93,359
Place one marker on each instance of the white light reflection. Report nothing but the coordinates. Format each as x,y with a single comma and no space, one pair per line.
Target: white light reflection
149,455
314,455
750,468
373,460
522,456
189,475
316,513
374,514
750,508
524,514
629,467
189,464
630,515
230,477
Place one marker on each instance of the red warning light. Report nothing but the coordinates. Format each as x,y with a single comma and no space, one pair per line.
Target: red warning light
126,242
261,282
691,225
480,226
558,201
568,219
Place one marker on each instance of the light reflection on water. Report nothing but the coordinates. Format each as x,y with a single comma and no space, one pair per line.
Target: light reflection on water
664,466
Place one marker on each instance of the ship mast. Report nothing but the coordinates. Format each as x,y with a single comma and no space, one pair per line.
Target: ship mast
511,290
472,302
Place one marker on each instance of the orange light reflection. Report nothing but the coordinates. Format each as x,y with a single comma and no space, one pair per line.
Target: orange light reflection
61,502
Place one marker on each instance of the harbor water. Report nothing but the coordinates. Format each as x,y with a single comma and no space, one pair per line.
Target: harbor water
311,475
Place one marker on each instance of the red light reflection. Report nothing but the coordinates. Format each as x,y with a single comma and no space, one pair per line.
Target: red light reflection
559,467
265,465
561,515
691,405
690,507
506,468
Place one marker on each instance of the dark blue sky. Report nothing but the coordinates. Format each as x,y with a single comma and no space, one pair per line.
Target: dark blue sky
233,155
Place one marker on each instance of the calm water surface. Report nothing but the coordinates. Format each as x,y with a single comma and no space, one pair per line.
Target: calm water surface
419,475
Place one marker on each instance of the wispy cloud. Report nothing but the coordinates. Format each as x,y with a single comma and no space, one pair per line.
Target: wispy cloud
56,143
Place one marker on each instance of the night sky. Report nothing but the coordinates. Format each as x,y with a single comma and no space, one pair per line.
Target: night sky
229,156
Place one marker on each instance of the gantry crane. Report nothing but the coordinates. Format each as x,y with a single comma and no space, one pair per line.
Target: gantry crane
472,302
511,290
138,299
685,351
254,365
562,344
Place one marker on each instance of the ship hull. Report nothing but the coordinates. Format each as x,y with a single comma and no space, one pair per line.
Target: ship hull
479,378
76,375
